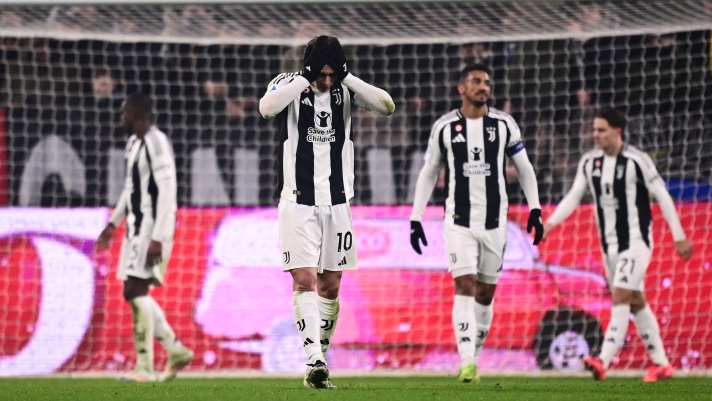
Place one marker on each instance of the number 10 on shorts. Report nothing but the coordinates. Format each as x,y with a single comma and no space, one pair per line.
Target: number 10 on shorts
346,240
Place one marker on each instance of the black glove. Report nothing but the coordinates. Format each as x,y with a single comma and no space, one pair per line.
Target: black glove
417,234
536,223
338,63
318,58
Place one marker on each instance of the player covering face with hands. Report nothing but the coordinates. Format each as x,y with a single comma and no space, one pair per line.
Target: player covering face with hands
312,109
621,178
471,142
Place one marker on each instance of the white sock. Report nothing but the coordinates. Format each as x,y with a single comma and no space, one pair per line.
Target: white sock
329,314
615,334
143,331
649,331
483,315
464,324
306,316
162,330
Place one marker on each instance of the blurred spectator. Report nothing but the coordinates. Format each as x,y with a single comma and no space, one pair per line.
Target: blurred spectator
214,89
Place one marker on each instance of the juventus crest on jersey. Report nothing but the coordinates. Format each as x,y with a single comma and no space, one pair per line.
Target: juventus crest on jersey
473,152
316,163
618,185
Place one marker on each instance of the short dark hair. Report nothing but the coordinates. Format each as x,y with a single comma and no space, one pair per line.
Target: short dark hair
465,72
319,41
140,104
614,118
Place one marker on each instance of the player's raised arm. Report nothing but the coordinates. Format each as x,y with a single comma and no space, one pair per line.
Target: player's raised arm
286,87
427,179
656,186
366,96
570,201
527,178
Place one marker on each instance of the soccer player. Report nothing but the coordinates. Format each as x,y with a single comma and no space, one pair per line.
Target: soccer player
313,114
471,142
148,202
620,177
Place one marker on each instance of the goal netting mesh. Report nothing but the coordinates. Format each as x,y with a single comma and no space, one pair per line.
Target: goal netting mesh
65,69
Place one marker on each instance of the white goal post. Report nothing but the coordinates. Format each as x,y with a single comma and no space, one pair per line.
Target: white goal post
66,66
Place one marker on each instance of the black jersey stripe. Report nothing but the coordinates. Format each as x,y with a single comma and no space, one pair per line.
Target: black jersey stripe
619,193
280,122
336,179
443,152
642,202
596,181
462,183
490,133
136,191
304,164
152,187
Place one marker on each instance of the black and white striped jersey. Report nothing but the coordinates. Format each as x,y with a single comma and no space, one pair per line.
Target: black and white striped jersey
619,185
473,151
149,199
316,156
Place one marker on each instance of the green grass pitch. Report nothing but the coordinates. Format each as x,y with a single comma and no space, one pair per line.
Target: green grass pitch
358,389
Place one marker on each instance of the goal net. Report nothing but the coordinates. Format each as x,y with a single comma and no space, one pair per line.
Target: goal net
66,68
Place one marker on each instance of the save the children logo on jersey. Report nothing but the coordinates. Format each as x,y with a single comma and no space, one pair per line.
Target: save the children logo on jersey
322,119
322,132
476,166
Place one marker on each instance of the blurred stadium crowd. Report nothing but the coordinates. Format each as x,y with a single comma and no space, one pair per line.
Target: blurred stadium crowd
206,97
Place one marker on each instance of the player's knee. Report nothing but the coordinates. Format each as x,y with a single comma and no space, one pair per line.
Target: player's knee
134,288
328,284
131,292
304,279
638,302
484,293
622,296
465,285
329,290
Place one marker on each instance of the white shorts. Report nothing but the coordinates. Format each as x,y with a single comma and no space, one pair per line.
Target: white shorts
476,251
316,236
132,261
627,269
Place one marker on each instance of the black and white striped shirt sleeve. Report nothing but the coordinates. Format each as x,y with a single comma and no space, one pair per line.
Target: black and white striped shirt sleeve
163,168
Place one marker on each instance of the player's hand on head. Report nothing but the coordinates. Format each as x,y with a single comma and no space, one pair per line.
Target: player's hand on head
155,252
319,57
684,249
102,243
416,236
338,62
537,224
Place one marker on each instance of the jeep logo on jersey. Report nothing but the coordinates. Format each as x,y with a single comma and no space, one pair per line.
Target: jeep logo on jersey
322,119
476,152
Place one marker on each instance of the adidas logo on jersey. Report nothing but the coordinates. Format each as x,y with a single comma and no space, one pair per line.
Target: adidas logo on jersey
307,102
458,139
343,262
